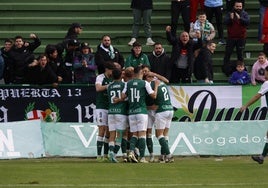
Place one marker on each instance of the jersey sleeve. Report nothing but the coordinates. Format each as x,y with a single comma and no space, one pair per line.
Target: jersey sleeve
264,88
148,88
125,88
99,80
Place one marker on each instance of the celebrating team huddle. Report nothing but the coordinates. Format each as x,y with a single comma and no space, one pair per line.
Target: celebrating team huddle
129,104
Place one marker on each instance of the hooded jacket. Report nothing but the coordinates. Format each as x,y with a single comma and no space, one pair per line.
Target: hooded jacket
160,64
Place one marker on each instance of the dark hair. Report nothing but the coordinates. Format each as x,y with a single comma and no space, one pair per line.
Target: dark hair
137,69
157,43
240,63
210,42
136,44
145,66
18,37
41,56
109,65
262,54
266,68
9,40
50,49
201,12
116,74
103,36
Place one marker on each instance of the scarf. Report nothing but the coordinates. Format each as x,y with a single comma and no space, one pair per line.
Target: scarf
204,29
109,50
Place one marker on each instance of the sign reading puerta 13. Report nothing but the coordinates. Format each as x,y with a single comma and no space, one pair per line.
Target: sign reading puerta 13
77,103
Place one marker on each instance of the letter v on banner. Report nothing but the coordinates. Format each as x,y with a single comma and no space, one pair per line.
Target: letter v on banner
80,134
187,142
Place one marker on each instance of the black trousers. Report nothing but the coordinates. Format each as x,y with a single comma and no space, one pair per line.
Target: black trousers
180,75
177,8
265,49
239,44
217,12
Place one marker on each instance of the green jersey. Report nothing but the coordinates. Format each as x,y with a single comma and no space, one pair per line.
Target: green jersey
163,99
102,96
136,91
133,61
114,90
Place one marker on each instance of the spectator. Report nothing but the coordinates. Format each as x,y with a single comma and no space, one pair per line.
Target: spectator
263,8
7,66
105,53
2,66
202,27
182,56
258,69
39,72
177,7
160,61
230,4
203,64
70,52
215,7
141,9
240,76
237,22
21,55
54,60
74,30
193,8
137,57
84,66
264,39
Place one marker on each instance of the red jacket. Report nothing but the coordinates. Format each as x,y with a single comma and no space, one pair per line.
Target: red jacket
237,28
265,27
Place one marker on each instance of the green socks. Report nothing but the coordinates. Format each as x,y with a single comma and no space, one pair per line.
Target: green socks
149,143
142,146
164,146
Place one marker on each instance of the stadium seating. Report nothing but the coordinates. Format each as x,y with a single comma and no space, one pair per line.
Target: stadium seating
50,20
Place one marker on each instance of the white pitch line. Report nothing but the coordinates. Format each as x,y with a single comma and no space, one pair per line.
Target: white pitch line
133,185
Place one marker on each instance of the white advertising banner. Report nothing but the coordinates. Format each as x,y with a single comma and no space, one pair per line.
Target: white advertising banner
21,139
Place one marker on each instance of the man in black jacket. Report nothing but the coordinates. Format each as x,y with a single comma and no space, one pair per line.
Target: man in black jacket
107,53
21,54
40,73
182,56
5,54
203,64
160,61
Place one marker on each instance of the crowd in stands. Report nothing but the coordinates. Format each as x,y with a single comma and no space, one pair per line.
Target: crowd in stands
73,61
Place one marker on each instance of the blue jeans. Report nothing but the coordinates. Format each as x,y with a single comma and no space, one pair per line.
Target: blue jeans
138,15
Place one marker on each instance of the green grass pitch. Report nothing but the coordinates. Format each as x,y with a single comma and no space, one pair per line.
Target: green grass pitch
185,172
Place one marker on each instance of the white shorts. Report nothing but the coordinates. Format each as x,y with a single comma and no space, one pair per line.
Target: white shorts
117,122
151,119
163,119
101,117
138,122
